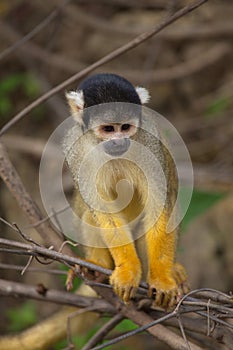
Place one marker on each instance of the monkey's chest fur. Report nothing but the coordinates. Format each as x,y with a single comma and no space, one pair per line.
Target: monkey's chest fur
121,195
120,190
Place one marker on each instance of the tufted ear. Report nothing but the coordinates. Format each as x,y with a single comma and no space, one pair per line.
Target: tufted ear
143,94
76,102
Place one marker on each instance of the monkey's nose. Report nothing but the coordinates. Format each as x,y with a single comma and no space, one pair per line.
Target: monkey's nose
116,147
118,142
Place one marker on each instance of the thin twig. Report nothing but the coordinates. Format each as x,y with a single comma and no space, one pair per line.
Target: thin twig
32,269
14,183
27,265
48,217
182,331
140,330
70,317
215,319
99,336
46,21
22,234
29,249
15,289
134,332
109,57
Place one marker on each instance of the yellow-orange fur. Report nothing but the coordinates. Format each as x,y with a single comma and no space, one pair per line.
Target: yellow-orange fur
143,250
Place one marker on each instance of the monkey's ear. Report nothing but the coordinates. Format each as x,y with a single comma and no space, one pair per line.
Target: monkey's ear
143,94
76,102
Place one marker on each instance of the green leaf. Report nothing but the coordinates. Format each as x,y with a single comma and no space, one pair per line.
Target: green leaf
5,106
31,87
15,81
11,83
218,106
126,326
22,317
200,202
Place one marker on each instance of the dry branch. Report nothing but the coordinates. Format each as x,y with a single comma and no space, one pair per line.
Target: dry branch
220,305
14,289
217,312
12,180
114,54
46,21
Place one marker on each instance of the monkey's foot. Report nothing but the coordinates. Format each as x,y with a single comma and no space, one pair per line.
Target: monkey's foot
73,273
168,290
69,279
180,276
125,280
165,292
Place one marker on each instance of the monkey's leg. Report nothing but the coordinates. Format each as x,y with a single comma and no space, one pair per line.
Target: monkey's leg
93,251
161,248
127,272
99,256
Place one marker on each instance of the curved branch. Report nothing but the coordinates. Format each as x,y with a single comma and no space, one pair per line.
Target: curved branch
15,289
12,180
46,21
109,57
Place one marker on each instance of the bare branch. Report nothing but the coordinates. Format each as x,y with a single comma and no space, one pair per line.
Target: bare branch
46,21
109,57
9,288
12,180
103,332
141,318
28,249
32,269
145,321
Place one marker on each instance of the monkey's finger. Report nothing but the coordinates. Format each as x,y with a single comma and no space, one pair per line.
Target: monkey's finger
165,299
184,288
159,298
118,290
125,293
172,300
132,292
152,293
179,274
128,293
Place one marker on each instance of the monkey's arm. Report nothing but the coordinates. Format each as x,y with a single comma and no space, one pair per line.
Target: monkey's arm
127,267
165,277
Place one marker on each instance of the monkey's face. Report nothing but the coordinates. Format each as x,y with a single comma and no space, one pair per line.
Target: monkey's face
115,137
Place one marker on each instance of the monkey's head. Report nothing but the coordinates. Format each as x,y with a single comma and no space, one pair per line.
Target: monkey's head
112,125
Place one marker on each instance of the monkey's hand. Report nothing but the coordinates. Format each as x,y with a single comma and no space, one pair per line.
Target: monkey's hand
125,280
167,289
164,291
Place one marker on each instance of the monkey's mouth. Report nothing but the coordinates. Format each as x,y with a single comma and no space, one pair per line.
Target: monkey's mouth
116,147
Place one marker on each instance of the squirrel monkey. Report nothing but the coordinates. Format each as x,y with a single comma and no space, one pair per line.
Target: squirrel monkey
144,249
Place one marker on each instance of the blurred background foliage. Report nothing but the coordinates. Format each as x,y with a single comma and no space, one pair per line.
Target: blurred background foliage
188,71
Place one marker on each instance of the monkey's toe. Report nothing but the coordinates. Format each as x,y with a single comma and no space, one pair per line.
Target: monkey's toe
180,277
125,293
165,293
125,282
69,279
165,299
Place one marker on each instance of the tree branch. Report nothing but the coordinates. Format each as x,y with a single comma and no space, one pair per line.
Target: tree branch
12,180
14,289
46,21
109,57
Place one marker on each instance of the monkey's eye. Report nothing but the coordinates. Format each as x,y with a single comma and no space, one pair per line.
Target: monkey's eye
108,128
125,127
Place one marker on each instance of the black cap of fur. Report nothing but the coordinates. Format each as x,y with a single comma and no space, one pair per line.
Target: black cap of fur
104,88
